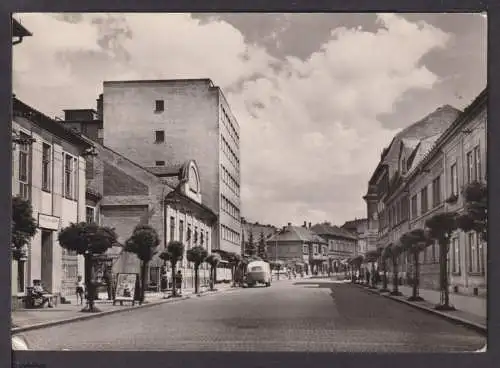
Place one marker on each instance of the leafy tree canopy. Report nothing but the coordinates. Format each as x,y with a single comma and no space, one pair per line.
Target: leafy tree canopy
213,259
143,242
441,226
23,224
87,239
415,240
197,255
174,251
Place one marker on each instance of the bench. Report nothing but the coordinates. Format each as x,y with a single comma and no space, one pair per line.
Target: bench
35,300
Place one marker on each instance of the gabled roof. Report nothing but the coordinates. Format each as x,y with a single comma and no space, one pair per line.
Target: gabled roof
296,233
422,150
328,230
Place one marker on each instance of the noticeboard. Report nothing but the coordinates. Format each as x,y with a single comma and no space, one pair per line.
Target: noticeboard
126,284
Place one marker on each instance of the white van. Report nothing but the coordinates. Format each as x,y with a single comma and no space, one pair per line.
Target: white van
258,272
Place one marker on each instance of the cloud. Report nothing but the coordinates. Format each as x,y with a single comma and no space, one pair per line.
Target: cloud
310,133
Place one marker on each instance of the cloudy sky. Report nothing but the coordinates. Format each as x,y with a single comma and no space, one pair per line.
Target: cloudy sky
317,96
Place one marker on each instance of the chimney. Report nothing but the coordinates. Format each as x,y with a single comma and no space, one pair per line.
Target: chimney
100,107
309,225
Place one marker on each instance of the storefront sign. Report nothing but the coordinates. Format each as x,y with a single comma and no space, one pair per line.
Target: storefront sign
48,222
125,286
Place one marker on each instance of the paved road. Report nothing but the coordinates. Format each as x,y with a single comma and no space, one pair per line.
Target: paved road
306,315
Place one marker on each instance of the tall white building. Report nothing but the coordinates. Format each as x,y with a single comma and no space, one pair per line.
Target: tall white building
163,123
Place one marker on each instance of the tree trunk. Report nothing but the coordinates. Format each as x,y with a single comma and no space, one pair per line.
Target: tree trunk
144,267
384,265
212,277
196,281
395,281
174,284
89,284
445,295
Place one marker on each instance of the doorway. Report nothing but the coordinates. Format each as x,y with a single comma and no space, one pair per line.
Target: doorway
46,260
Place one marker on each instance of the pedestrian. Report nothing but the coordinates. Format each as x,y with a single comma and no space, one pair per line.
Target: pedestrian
40,292
80,289
367,277
178,281
108,279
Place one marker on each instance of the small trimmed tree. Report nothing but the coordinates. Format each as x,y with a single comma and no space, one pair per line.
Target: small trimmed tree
371,257
88,240
262,249
414,242
23,227
173,254
234,260
475,216
197,255
213,260
395,251
441,226
143,243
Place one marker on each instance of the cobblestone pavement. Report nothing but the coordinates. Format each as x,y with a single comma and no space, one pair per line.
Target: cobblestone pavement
297,315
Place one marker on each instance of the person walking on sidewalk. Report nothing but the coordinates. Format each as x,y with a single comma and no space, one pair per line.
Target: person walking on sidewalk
178,282
80,289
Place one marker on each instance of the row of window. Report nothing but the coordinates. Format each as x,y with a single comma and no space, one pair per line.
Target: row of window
230,127
340,246
474,253
229,207
228,151
230,235
69,168
194,237
230,181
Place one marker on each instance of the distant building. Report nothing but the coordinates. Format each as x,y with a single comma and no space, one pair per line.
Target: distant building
360,228
341,244
298,245
166,122
256,230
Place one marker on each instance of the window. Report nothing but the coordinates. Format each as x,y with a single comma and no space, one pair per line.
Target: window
436,191
424,203
46,150
476,255
454,179
470,167
455,256
181,231
208,239
414,210
159,136
172,228
159,105
159,163
69,181
24,167
315,247
477,163
90,214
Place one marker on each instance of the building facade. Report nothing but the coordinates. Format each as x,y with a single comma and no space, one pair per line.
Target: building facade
48,169
389,195
122,194
341,244
166,122
359,227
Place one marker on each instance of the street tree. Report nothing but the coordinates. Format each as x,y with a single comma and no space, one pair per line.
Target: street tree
143,243
197,255
414,242
262,249
441,226
213,260
371,257
250,249
173,254
475,216
88,240
23,227
395,251
235,260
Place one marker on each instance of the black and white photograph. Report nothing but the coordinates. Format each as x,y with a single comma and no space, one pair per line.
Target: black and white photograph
249,182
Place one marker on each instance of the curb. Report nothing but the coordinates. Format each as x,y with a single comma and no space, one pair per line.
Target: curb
466,323
41,325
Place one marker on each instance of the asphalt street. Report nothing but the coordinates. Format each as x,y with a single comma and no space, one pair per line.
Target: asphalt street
297,315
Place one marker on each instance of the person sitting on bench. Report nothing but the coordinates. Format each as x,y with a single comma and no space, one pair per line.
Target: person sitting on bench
40,292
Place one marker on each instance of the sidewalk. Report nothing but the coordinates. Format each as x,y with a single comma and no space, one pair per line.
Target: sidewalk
470,310
30,319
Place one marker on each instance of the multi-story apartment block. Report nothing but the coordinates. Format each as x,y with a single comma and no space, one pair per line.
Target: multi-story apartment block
48,169
359,227
166,122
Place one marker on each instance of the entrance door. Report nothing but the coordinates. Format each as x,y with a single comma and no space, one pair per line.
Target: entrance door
46,259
